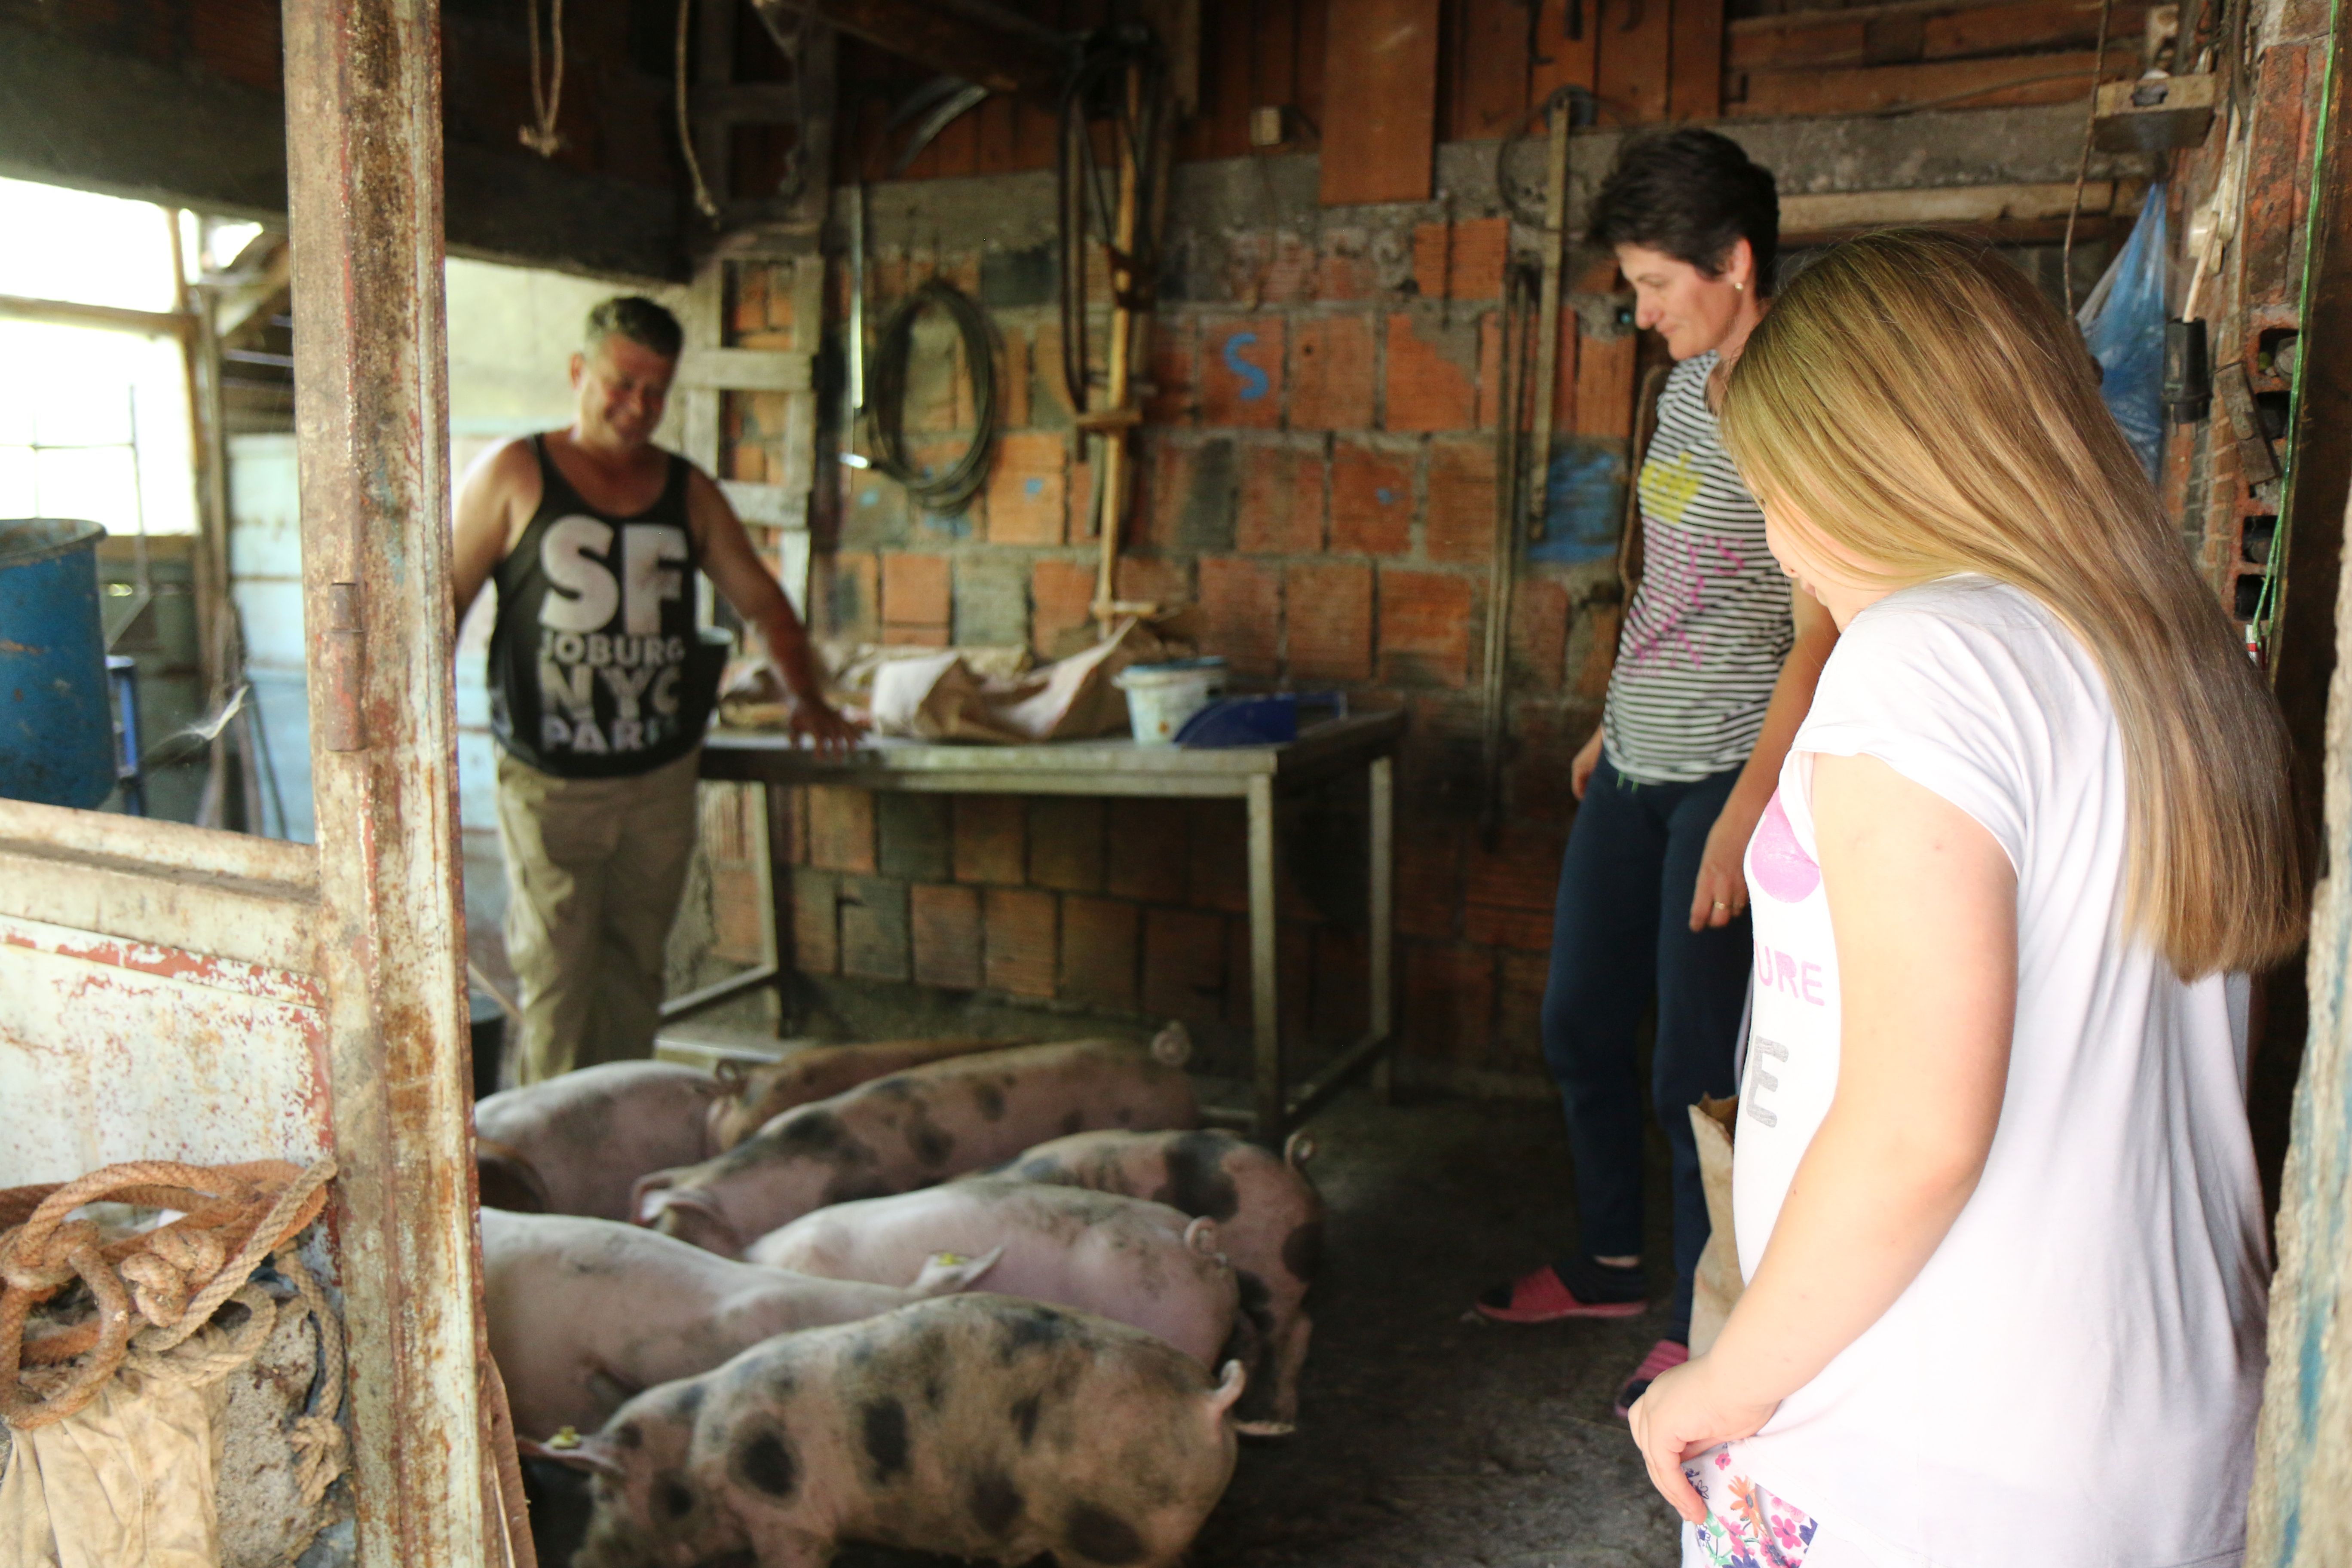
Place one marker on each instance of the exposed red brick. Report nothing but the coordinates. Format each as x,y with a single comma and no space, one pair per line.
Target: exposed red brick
1430,380
1174,397
1220,862
1024,488
1294,959
1018,941
1066,842
1461,500
1241,372
1100,940
1520,872
1518,1039
915,590
750,312
1330,621
1529,930
947,936
1541,611
1064,595
817,927
874,929
1604,386
1183,964
1546,734
1079,497
1371,498
915,636
1013,376
841,828
1464,262
1600,653
1152,579
990,838
1289,275
1425,627
1282,501
851,599
1449,1002
1147,856
1342,1000
1332,377
1241,608
1344,271
1429,881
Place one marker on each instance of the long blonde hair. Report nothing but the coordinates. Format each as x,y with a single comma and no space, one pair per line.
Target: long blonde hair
1920,403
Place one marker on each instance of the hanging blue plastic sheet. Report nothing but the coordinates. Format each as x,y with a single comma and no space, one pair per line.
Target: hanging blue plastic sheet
1584,503
2123,323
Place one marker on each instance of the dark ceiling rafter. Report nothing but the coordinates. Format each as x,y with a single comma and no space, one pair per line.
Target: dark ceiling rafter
986,44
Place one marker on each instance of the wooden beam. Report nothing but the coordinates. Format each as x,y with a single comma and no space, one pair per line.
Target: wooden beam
1945,31
1694,72
1851,210
1959,84
113,318
1380,102
1002,52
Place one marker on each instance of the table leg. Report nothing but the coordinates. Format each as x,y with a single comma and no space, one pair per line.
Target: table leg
1265,1016
1381,777
778,801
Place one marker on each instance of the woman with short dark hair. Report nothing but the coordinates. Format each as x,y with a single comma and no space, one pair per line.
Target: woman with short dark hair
1715,666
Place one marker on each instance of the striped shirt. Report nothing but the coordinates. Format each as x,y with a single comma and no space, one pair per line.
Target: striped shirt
1707,630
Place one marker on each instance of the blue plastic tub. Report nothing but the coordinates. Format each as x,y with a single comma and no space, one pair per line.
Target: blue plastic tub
57,727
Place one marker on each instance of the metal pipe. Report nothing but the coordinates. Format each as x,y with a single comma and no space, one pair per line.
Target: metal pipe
363,156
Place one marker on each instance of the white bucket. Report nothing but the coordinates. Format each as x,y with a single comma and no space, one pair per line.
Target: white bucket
1161,697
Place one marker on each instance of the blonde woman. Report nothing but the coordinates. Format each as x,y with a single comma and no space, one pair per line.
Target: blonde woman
1995,1196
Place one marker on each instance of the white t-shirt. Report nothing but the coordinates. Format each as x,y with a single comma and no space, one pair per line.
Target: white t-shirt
2073,1378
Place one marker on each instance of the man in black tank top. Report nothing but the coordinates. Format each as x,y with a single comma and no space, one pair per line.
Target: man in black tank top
599,688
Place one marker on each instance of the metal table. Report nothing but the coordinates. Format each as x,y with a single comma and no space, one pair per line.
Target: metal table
1259,774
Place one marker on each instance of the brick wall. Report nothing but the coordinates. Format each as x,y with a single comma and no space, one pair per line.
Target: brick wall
1317,476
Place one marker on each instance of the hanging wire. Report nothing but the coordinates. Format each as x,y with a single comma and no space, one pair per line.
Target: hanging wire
1086,181
887,396
702,200
546,97
2082,168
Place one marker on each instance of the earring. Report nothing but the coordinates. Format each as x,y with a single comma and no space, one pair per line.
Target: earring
1739,287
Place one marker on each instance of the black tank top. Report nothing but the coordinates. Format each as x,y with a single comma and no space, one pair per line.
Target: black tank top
597,670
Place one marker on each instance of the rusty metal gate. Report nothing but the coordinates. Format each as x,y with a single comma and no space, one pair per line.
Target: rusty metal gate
175,993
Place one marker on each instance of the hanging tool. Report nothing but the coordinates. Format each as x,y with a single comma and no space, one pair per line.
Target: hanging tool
854,385
1523,490
932,108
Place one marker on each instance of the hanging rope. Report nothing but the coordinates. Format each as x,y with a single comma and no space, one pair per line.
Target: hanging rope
2083,167
156,1291
541,136
703,203
887,396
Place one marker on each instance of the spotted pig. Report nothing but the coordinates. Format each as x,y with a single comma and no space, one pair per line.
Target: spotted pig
584,1313
1269,1222
914,1129
584,1138
977,1427
750,1098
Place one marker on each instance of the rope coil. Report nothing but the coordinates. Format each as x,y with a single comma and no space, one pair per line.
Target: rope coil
156,1291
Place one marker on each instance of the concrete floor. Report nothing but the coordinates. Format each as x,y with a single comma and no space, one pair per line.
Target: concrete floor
1428,1437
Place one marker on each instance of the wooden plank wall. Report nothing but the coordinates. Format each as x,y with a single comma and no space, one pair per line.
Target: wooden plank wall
1419,71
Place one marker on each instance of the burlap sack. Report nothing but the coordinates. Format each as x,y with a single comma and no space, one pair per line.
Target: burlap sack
1716,1287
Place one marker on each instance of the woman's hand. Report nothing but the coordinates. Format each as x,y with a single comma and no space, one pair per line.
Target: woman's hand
1721,892
1686,1412
1587,757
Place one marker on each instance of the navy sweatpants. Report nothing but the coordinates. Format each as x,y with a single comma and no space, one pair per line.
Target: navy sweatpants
1621,935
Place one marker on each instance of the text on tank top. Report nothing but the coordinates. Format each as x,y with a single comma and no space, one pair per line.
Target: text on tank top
595,621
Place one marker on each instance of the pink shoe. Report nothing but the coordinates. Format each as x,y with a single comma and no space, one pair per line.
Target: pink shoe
1540,1297
1665,1356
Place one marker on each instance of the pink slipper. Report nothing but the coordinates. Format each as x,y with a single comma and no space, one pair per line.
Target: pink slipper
1665,1356
1540,1298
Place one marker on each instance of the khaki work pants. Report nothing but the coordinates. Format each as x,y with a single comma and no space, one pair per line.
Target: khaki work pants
594,872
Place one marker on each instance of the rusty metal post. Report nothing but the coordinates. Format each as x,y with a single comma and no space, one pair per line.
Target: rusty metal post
363,143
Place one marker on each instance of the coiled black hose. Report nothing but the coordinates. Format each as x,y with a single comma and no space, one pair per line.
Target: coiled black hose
887,396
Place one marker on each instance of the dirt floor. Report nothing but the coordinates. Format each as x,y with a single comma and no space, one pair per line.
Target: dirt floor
1428,1437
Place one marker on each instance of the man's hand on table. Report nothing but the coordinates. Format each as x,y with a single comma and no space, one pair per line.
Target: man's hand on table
832,736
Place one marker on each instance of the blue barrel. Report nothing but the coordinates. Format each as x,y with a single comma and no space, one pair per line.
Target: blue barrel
57,728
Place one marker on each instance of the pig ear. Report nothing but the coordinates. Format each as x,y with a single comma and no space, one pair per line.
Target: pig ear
944,1273
590,1454
650,1194
1298,1150
731,1077
1172,1047
1230,1384
1201,1236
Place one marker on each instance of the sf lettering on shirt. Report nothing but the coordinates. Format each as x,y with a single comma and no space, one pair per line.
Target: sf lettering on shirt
579,645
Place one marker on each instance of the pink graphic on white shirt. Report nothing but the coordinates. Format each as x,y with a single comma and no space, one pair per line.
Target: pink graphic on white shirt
1777,861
